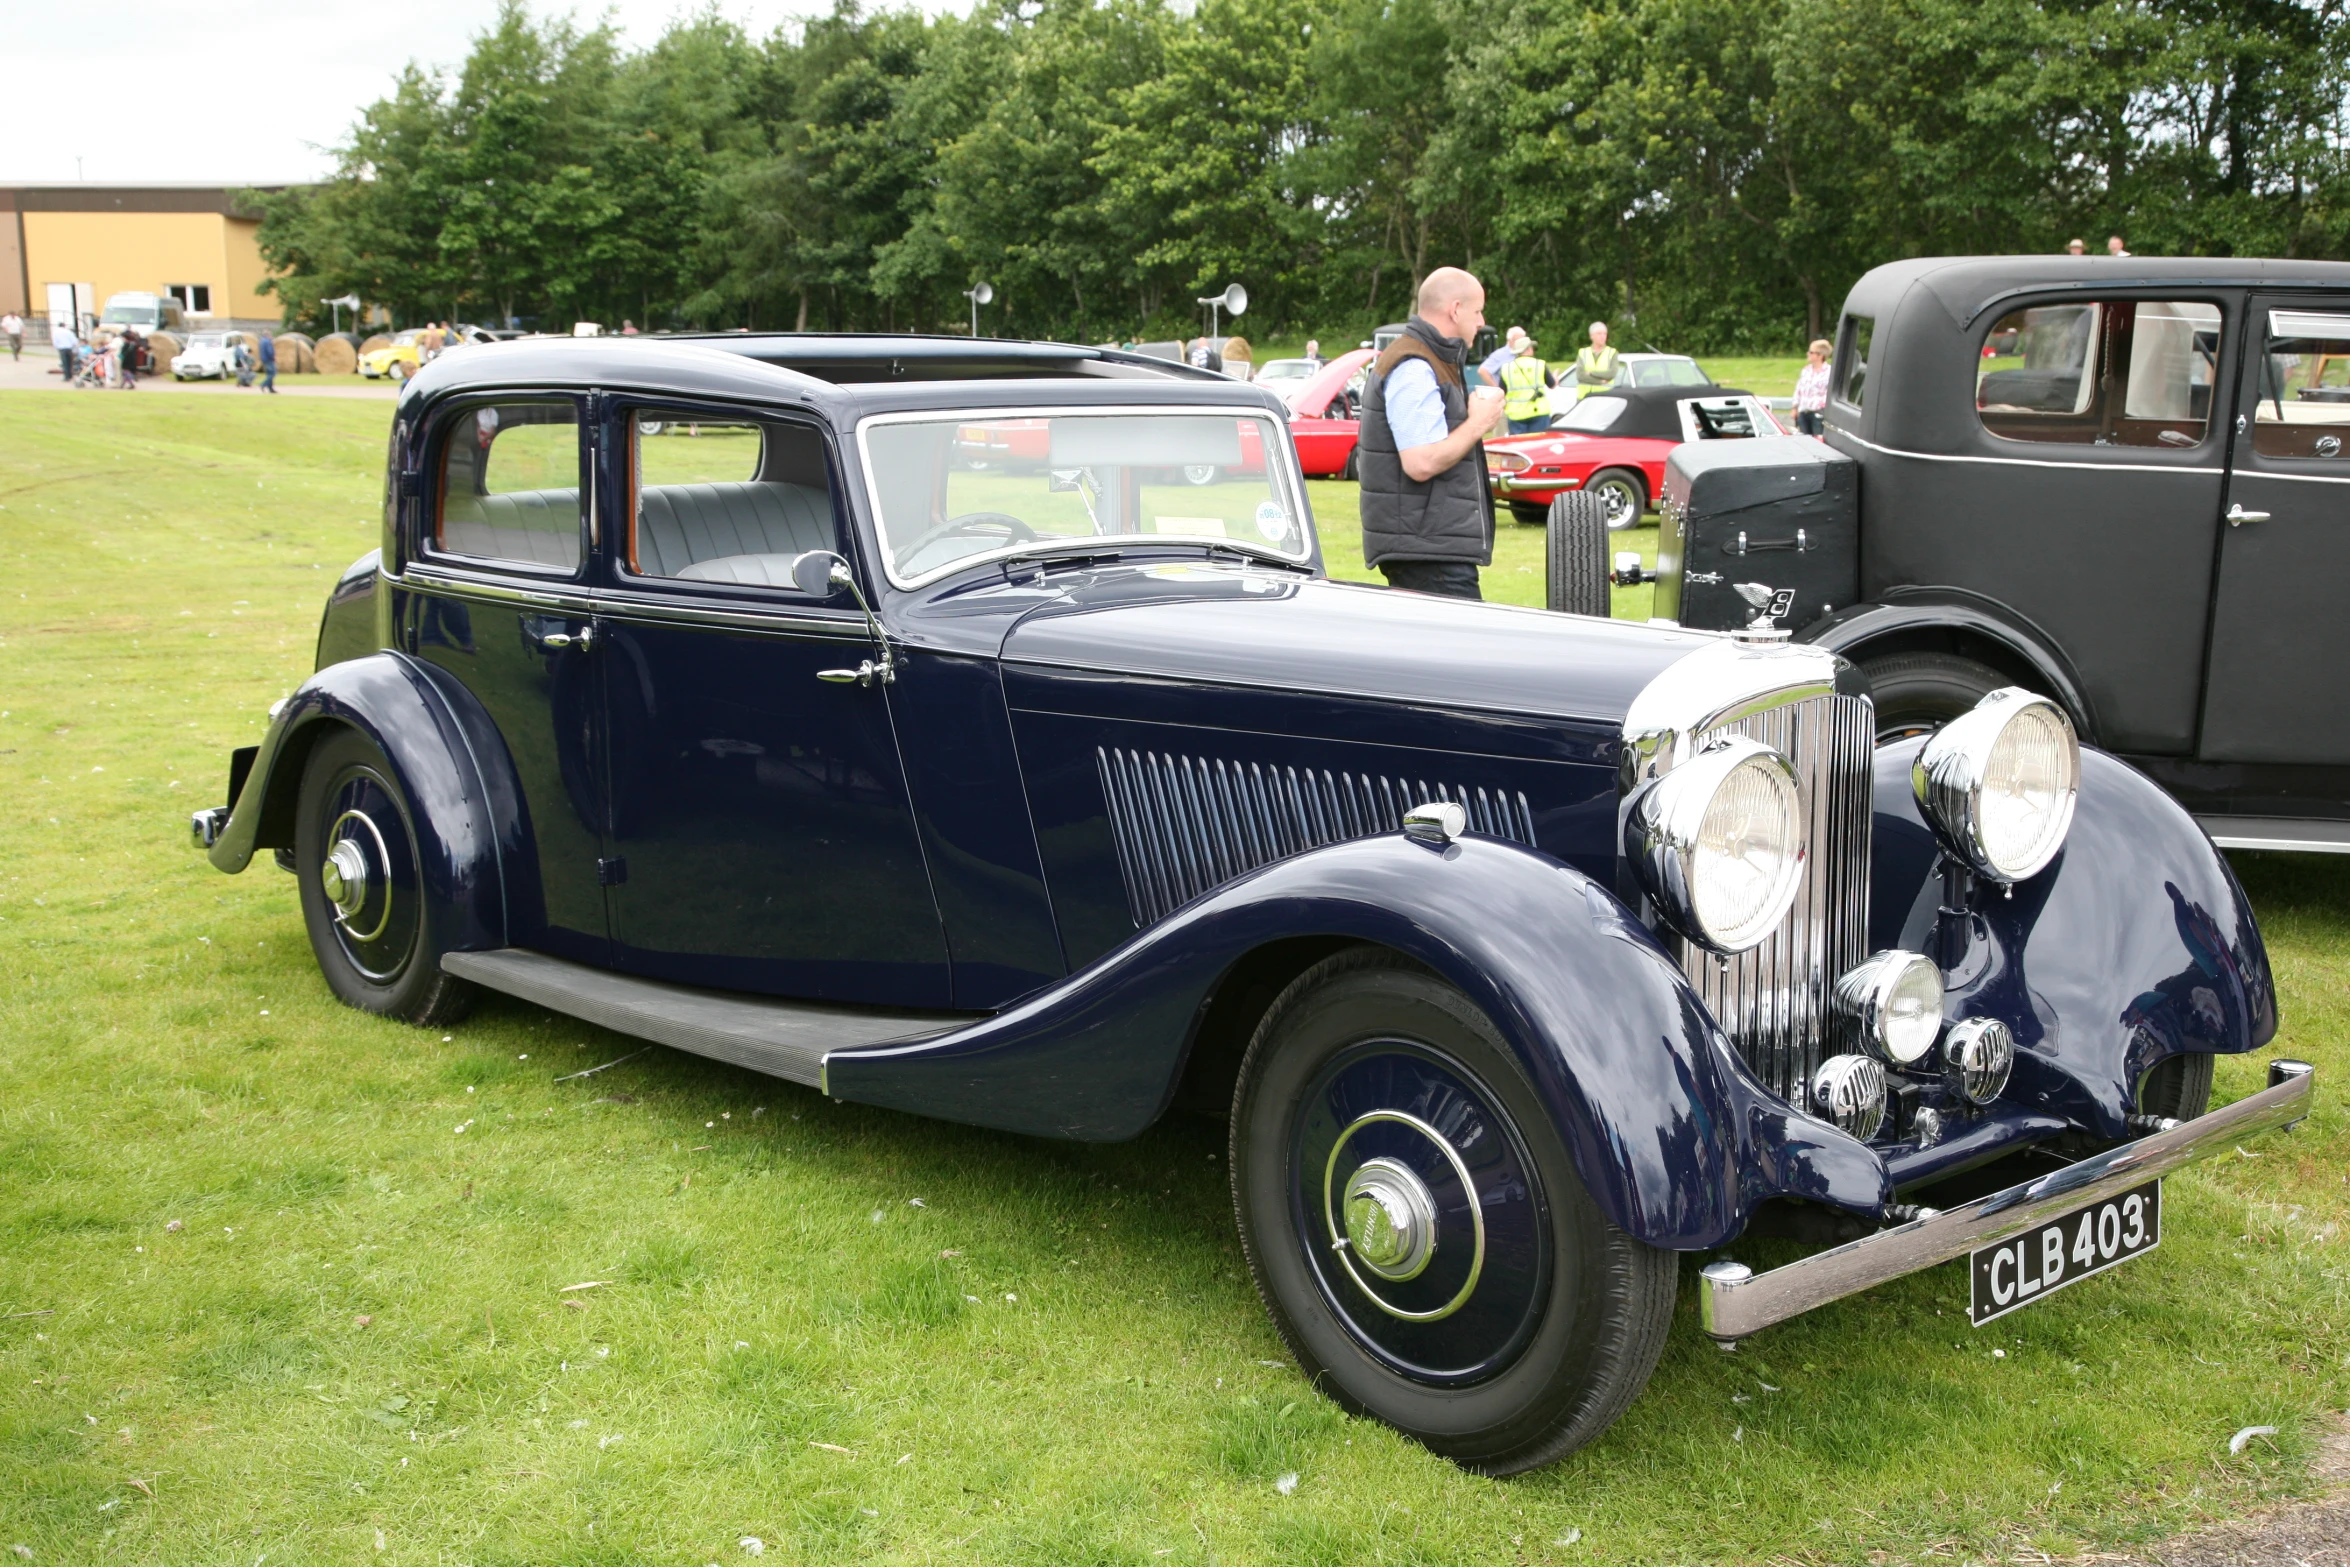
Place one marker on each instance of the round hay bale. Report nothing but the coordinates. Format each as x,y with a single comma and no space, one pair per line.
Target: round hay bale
162,349
379,340
336,354
296,354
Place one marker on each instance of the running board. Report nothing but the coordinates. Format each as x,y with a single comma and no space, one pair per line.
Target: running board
2285,834
786,1039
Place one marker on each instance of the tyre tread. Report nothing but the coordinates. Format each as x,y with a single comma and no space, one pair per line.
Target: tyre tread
1576,554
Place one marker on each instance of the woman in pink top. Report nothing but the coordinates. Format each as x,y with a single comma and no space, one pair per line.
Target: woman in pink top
1811,389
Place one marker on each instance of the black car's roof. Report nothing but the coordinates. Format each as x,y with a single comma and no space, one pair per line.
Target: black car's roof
1968,286
845,375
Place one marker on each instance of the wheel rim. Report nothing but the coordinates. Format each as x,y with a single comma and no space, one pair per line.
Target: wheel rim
1199,473
1419,1213
1623,505
367,872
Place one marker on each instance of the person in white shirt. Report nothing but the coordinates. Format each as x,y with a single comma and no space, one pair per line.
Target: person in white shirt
13,325
1811,389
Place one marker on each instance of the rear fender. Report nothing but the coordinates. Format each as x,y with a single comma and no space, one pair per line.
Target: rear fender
1674,1139
449,763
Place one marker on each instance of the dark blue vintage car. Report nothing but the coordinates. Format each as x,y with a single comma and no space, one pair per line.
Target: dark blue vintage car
969,728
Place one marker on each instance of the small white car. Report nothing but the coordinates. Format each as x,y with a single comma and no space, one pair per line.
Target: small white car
208,356
1644,369
1285,374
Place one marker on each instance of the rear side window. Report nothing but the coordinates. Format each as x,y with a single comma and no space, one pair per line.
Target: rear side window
1852,359
509,486
2114,372
726,500
2304,407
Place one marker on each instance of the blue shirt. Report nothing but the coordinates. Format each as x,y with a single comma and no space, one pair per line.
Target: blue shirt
1415,408
1495,363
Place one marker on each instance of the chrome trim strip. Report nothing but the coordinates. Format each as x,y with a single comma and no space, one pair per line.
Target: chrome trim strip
2028,462
2289,478
423,579
806,621
2284,834
1734,1302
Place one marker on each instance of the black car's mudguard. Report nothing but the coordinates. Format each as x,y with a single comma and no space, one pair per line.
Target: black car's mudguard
468,818
2137,943
1674,1138
1956,620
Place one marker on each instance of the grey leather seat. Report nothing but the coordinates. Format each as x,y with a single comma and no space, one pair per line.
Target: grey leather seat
680,525
540,527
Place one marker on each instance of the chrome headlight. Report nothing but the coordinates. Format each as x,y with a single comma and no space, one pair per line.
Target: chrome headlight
1896,997
1718,843
1848,1092
1980,1053
1998,784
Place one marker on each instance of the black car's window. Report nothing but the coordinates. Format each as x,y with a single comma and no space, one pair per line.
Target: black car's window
2304,407
1852,359
2101,372
725,500
509,485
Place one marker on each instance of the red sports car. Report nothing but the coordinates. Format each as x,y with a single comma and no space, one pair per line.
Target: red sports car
1615,442
1323,416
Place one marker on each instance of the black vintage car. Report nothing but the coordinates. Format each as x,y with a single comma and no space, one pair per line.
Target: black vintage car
2121,482
730,693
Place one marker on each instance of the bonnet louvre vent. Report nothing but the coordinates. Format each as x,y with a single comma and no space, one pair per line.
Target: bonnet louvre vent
1186,824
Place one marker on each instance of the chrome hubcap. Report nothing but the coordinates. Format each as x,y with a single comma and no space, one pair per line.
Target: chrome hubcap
344,877
354,873
1390,1219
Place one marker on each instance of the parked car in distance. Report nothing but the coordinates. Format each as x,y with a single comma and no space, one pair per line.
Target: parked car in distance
2124,482
1325,415
1641,369
400,358
1522,953
150,313
1614,443
1279,374
208,356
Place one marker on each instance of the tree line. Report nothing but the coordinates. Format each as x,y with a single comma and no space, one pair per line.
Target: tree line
1706,174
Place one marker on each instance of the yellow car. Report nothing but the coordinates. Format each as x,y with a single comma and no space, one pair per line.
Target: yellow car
399,361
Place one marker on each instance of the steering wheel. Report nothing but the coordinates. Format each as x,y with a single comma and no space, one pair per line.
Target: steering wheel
975,522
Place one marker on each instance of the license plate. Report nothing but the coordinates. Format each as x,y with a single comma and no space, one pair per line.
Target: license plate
2044,1259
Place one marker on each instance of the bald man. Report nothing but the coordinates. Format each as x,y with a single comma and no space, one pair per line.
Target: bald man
1427,511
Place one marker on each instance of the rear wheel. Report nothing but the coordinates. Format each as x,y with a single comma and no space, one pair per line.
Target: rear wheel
2178,1086
1417,1229
1577,554
356,862
1917,693
1624,493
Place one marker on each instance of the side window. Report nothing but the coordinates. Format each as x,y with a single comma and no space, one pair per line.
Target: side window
725,500
509,486
2117,372
2304,407
1852,359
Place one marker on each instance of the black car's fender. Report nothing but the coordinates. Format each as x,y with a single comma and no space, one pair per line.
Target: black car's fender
2135,944
1674,1138
1955,620
451,768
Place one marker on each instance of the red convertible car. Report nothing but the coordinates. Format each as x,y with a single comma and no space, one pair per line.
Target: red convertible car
1614,443
1322,416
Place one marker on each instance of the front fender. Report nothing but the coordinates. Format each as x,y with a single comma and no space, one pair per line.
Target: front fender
1674,1139
2135,944
467,812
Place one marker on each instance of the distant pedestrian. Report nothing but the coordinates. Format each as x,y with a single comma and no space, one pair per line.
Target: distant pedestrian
627,327
1494,365
269,364
1811,389
62,339
2076,247
1525,385
1427,511
244,359
13,325
1313,353
1204,356
1597,365
2114,247
126,357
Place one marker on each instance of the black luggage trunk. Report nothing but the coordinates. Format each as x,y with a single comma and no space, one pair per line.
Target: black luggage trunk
1779,515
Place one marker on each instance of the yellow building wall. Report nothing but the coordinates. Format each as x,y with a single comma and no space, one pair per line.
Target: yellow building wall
124,252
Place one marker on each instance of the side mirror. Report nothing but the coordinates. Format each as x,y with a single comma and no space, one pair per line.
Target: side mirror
1064,481
820,574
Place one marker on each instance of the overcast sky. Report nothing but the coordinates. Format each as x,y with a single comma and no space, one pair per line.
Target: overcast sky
242,91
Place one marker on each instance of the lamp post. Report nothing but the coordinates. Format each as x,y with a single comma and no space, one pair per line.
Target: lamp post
978,296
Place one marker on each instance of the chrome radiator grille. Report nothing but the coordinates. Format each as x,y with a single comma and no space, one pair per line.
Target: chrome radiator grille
1774,1000
1185,824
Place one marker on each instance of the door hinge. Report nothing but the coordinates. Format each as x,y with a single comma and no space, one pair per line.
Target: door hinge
612,872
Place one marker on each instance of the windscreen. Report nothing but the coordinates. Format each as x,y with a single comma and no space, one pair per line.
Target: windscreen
956,490
1591,415
132,315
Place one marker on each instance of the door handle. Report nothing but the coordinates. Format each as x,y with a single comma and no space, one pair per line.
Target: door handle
583,639
863,675
2238,516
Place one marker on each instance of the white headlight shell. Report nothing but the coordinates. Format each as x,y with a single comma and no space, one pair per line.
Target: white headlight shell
1998,784
1718,843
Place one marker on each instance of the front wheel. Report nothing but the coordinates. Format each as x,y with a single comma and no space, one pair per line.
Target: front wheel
1576,555
1624,493
1917,693
2177,1086
362,883
1418,1232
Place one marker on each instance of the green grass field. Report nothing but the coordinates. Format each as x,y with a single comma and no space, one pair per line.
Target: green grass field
281,1283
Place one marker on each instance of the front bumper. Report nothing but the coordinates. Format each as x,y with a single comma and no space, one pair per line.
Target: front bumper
1735,1301
1512,483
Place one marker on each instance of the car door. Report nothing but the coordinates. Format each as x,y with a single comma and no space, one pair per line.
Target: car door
498,600
760,817
2279,682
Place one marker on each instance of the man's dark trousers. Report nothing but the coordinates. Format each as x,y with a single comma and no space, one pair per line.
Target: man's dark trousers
1451,578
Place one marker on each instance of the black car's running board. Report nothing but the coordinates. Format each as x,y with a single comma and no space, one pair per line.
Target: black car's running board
786,1039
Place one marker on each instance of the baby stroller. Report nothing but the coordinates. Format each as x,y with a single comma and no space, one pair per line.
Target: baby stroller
89,367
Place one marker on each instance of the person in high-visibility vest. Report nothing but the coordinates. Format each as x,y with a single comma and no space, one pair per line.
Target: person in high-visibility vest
1595,366
1524,382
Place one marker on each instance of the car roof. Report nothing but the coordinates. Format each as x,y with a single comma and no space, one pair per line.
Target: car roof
1969,286
1654,412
